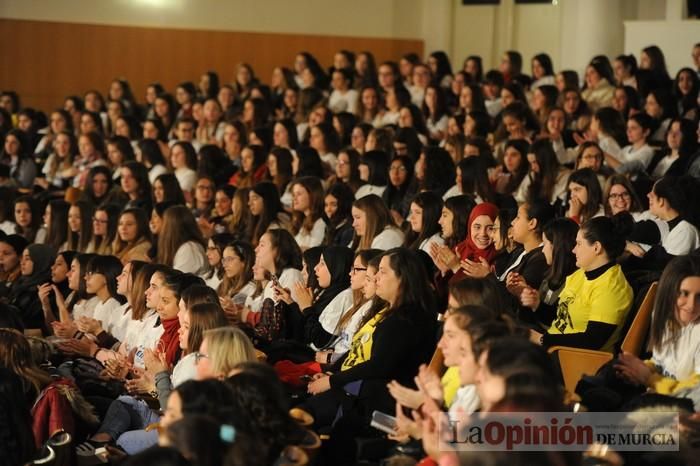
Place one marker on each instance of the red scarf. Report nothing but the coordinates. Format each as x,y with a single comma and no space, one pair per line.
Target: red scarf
467,249
170,341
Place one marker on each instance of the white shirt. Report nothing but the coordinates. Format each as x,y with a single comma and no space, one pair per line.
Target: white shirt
184,370
151,332
245,292
309,239
8,227
85,308
343,101
609,145
680,359
288,279
681,240
212,282
436,126
417,95
454,191
386,118
191,258
390,238
367,189
634,160
466,401
342,344
155,172
543,81
120,321
331,315
137,331
663,166
329,158
436,238
108,313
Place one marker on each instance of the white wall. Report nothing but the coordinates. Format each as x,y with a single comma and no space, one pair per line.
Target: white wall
358,18
675,38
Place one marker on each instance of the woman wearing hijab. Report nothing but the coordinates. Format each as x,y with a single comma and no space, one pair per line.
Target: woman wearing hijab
477,250
35,269
313,320
321,319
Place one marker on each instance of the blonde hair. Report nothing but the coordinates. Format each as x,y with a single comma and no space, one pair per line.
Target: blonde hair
228,346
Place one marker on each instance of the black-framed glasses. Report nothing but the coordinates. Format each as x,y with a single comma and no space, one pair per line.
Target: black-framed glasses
97,220
358,269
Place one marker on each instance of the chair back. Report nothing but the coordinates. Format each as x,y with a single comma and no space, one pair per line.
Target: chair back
302,418
62,444
292,455
637,333
46,457
311,445
437,362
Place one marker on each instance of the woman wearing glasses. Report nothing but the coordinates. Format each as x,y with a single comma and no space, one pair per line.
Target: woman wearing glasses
620,196
104,229
237,283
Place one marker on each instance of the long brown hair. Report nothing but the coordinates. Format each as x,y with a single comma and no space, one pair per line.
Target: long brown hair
377,218
314,188
141,273
203,316
79,241
120,247
246,254
16,355
241,217
665,327
179,227
368,258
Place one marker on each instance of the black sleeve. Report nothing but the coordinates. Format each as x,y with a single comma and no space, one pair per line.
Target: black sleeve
294,320
645,232
393,339
106,340
545,313
534,270
313,330
594,338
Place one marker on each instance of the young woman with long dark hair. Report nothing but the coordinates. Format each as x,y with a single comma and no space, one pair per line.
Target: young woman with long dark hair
374,227
307,218
180,243
337,208
674,334
265,210
559,239
425,211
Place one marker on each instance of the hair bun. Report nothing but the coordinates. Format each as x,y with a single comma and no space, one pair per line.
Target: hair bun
623,224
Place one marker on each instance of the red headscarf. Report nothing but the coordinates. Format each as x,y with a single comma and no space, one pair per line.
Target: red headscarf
467,249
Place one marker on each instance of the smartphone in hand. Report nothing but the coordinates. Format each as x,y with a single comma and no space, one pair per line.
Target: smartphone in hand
383,422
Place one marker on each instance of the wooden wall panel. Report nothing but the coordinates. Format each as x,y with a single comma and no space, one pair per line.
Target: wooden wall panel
46,61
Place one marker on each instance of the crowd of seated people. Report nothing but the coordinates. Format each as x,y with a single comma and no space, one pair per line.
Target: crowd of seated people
227,273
